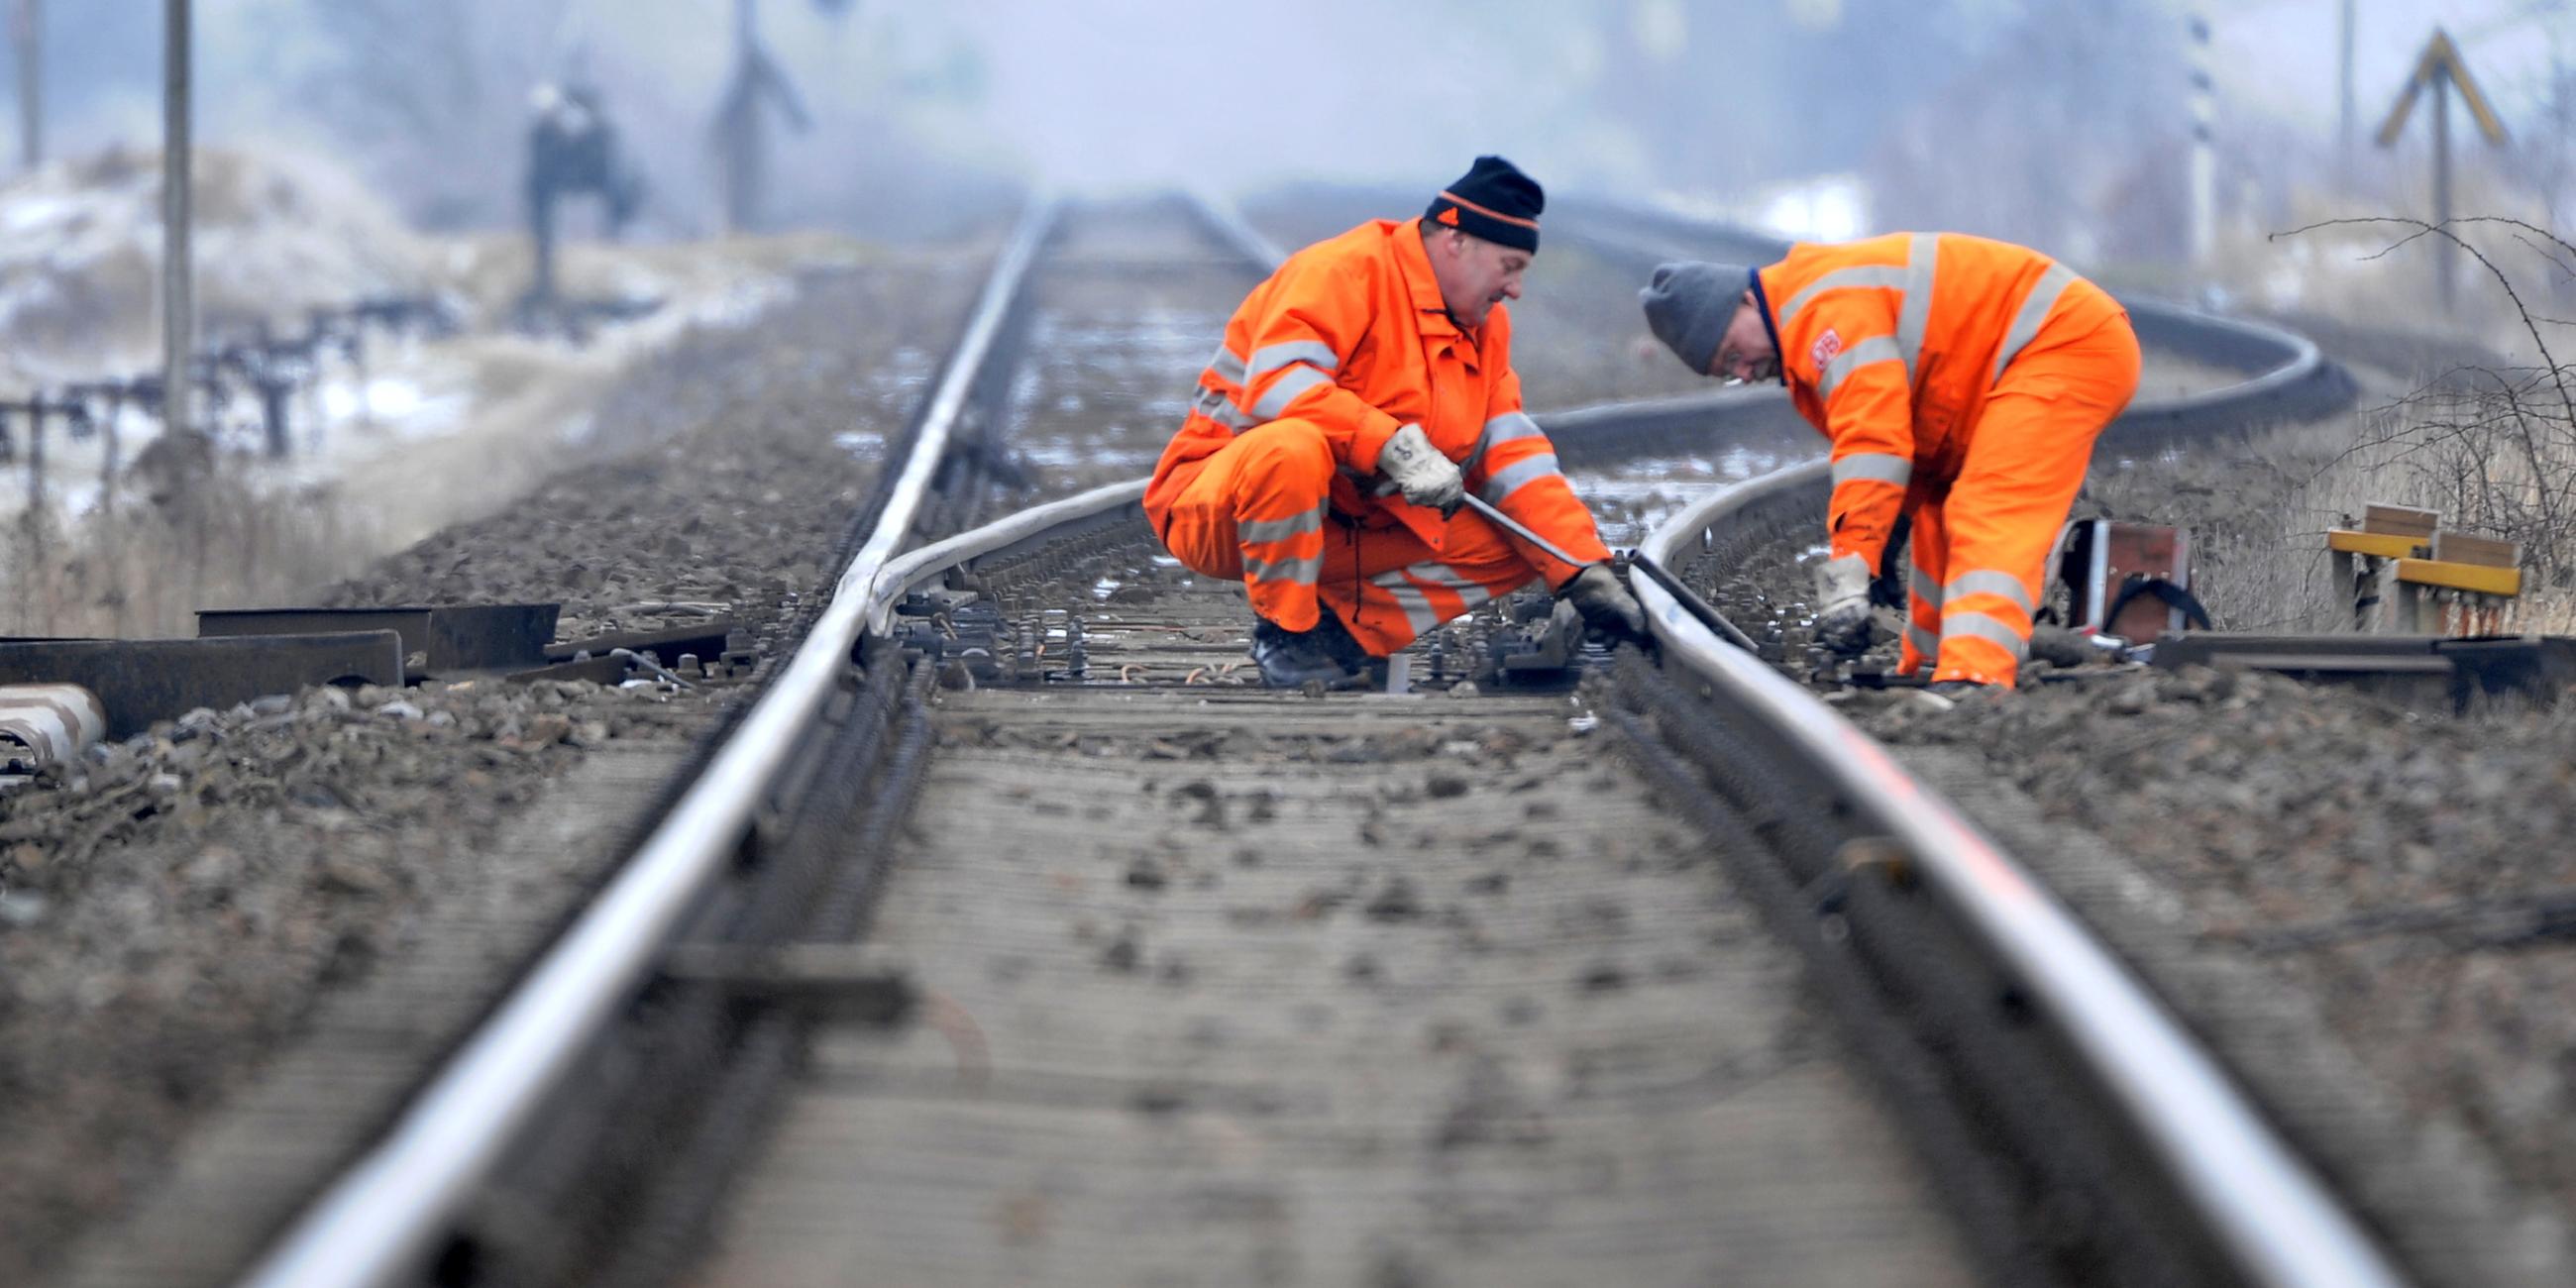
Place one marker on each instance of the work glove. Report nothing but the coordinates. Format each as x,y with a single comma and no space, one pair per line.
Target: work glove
1420,472
1606,605
1842,605
2058,646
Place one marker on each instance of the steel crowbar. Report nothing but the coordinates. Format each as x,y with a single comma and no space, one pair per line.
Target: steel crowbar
1682,594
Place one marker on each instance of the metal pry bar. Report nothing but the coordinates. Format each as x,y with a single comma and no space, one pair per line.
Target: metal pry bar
1681,593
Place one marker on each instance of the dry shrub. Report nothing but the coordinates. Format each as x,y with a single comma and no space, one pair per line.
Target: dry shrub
2256,517
2492,448
142,570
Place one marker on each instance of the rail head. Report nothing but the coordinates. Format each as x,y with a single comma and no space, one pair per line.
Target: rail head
2273,1216
1109,503
1226,220
376,1222
382,1215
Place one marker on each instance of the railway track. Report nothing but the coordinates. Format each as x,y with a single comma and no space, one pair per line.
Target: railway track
1170,978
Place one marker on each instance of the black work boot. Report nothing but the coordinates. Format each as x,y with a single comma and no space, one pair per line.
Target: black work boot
1288,659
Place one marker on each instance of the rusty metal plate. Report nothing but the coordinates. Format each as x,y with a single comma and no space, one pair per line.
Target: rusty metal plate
2102,556
450,637
140,681
706,639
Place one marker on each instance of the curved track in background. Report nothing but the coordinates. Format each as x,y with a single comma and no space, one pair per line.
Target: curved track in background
2129,1074
2286,377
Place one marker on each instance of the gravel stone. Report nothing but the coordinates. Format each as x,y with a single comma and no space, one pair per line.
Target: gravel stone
171,912
2302,825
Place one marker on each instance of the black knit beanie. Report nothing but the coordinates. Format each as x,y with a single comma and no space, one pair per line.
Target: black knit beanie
1493,200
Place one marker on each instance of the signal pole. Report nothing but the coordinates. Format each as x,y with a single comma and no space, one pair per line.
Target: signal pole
2204,151
28,33
178,302
2344,111
2441,73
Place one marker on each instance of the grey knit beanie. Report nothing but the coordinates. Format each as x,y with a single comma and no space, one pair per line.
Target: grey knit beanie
1689,305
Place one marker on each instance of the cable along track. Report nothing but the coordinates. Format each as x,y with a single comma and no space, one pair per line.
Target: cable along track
1202,980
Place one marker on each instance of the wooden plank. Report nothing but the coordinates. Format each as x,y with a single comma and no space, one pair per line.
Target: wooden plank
2460,576
2379,545
2400,520
2461,547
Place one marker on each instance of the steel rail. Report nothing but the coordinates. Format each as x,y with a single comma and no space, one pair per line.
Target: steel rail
2267,1211
380,1218
2274,359
2273,1217
1227,221
1048,522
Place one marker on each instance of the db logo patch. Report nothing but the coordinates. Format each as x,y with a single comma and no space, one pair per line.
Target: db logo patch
1827,345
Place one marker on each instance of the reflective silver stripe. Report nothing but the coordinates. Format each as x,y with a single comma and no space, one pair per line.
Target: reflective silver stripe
1508,426
1922,256
1864,275
1876,349
1281,529
1501,429
1314,353
1926,643
1511,478
1304,572
1923,587
2034,311
1409,597
1226,364
1214,405
1472,592
1956,622
1296,381
1878,467
1989,581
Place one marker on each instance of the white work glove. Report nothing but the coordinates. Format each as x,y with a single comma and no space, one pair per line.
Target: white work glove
1606,605
1420,472
1842,604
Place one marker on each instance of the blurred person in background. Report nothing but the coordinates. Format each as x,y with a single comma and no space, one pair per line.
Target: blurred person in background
1962,382
1358,394
572,150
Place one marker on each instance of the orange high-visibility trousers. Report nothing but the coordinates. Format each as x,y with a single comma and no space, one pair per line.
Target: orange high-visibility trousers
1257,509
1981,544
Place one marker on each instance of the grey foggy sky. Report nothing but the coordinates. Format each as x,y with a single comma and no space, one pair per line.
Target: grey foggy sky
1693,97
2279,56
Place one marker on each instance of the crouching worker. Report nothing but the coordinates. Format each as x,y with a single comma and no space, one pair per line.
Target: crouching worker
1961,380
1360,393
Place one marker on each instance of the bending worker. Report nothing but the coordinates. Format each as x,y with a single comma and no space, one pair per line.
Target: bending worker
1359,392
1961,380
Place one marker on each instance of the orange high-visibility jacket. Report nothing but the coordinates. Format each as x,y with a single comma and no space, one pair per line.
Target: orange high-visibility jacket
1890,345
1351,336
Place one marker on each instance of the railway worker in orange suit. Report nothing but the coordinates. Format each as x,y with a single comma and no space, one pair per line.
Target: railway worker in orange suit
1961,380
1357,395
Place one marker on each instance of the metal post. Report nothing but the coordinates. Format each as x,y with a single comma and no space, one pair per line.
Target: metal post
741,128
178,302
2345,112
35,410
29,33
108,462
2204,154
2443,278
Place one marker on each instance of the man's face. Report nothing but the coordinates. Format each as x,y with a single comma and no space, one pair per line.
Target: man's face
1745,352
1474,274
